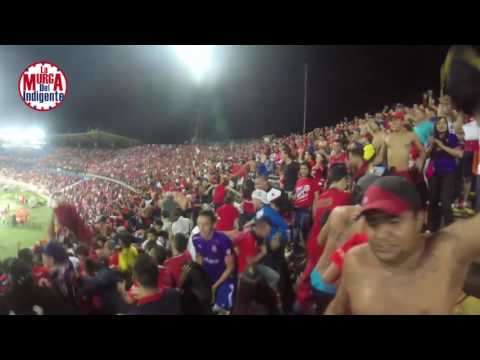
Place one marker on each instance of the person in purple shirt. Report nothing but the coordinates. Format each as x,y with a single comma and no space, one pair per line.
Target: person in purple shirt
214,252
443,152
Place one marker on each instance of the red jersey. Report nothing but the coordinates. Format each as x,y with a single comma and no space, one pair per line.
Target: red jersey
329,200
175,265
40,272
318,176
3,283
305,190
241,172
360,172
471,146
113,260
164,281
219,195
339,254
235,169
340,158
227,214
248,207
164,278
247,247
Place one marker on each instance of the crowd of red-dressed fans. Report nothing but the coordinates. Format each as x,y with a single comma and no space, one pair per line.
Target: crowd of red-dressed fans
112,250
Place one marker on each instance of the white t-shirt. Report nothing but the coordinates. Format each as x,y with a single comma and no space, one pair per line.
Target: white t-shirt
75,262
182,225
190,247
471,131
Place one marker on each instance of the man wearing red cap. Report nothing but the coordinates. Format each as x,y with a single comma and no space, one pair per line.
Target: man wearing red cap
400,271
399,144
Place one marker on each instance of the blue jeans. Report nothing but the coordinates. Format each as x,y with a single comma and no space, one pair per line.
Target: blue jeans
271,276
303,223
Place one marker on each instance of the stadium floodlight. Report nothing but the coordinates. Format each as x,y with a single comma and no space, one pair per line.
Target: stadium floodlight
30,137
197,57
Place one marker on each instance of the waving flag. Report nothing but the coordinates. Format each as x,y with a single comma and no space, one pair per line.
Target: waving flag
68,217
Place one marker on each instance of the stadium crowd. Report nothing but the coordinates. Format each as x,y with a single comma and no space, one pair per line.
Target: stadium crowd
262,227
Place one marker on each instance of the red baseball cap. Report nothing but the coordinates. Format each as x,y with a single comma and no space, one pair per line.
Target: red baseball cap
393,195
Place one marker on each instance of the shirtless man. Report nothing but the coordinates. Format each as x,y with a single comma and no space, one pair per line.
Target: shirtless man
399,270
341,225
399,144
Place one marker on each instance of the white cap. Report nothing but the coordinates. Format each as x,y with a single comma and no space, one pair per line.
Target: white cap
260,195
273,194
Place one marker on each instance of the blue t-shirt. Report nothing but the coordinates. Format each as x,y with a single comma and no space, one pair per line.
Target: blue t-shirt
278,223
424,131
213,252
262,170
443,161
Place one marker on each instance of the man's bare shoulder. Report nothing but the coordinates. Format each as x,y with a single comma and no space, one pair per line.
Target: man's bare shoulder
338,212
344,210
357,257
444,242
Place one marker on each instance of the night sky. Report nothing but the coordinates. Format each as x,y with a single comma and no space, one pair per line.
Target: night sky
146,93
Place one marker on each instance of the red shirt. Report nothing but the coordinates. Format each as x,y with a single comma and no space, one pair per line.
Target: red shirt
247,247
3,283
360,172
219,195
339,254
164,278
305,190
240,172
164,281
471,146
338,159
329,200
175,265
227,214
318,176
40,272
113,260
248,207
311,163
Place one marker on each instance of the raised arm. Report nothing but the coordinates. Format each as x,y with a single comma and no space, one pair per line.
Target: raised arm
419,146
323,234
464,235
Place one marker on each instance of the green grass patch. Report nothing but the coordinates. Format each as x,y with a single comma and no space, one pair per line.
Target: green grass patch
27,234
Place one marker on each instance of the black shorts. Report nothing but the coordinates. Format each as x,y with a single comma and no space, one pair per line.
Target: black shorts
467,163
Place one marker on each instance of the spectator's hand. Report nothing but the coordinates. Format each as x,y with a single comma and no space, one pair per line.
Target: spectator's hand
438,143
44,283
